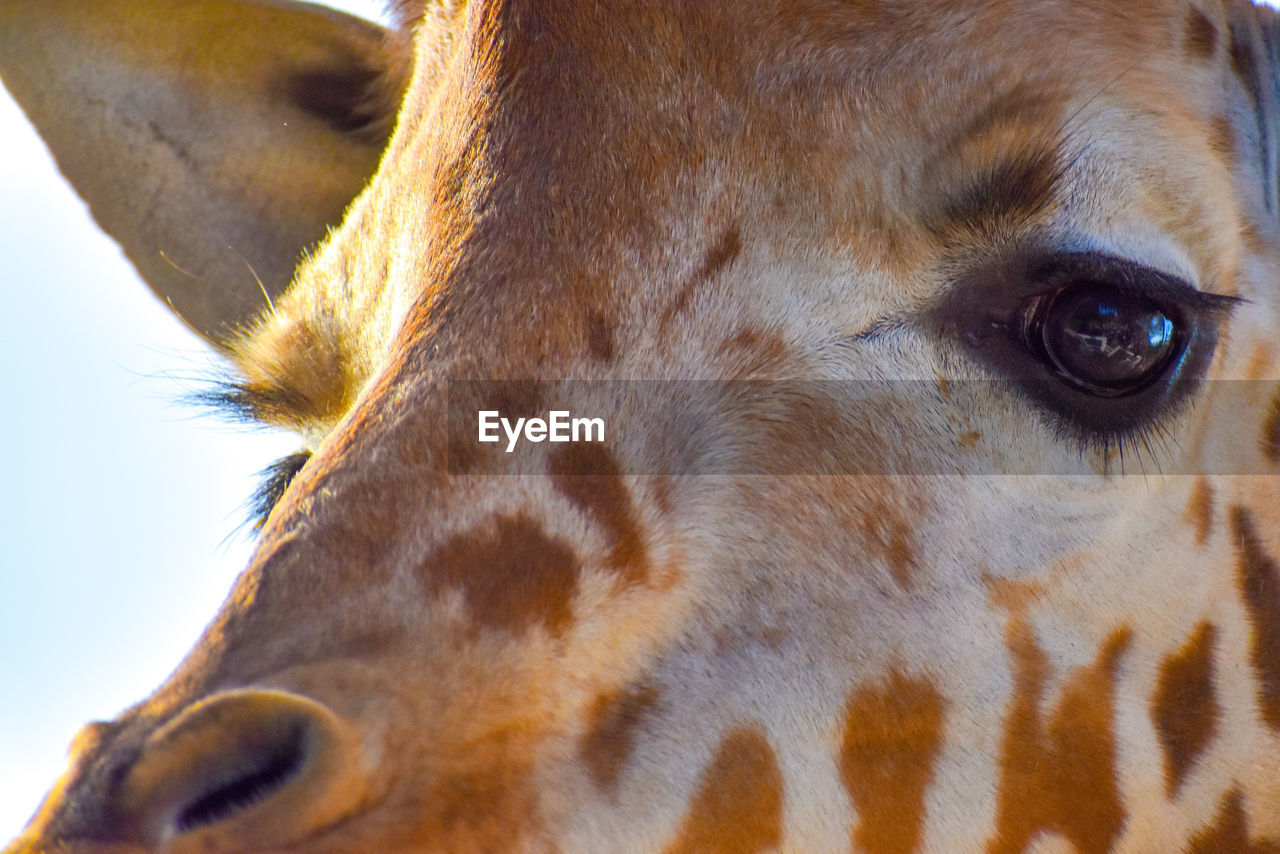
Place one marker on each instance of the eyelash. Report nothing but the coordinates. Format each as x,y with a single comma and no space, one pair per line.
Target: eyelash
275,481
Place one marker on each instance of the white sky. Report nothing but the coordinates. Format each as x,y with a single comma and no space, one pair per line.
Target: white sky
118,504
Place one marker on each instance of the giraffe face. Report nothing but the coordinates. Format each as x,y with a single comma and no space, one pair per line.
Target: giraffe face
934,505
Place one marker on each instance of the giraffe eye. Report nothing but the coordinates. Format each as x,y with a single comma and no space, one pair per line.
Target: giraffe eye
1105,348
1103,339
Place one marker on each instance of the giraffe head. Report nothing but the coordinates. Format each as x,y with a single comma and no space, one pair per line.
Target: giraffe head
933,347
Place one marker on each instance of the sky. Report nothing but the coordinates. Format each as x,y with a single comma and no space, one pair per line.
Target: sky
119,504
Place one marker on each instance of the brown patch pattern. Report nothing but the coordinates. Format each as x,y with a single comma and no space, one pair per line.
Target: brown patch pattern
1185,707
1013,595
1271,433
589,477
1200,509
892,737
607,745
513,575
1229,833
1254,240
601,336
727,248
1260,584
1222,138
753,351
1058,775
1202,35
493,808
738,806
1259,364
889,532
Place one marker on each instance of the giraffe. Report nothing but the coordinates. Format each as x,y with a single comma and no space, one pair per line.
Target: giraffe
936,508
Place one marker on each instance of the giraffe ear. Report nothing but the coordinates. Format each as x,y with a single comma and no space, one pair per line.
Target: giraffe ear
215,140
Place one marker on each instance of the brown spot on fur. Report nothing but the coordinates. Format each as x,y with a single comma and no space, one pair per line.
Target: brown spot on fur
1259,363
588,476
738,806
752,352
1202,35
601,336
663,486
493,808
1229,833
1059,776
512,574
1200,509
1013,595
727,248
754,341
890,533
1185,707
1222,139
607,745
901,558
1254,240
1017,595
892,737
1271,433
1260,584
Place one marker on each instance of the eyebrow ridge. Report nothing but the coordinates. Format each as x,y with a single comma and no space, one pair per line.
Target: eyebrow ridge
1009,194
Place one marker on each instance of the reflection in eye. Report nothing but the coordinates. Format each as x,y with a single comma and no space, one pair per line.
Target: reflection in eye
1102,339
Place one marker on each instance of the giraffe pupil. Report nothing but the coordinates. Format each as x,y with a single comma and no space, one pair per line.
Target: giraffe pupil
1105,340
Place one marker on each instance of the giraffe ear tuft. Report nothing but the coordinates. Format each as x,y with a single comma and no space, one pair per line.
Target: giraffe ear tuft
214,140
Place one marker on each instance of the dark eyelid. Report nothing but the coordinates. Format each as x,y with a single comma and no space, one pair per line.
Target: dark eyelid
1000,288
1060,270
987,296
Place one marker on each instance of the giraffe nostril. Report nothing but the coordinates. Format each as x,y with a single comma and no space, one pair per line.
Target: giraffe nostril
244,770
258,776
